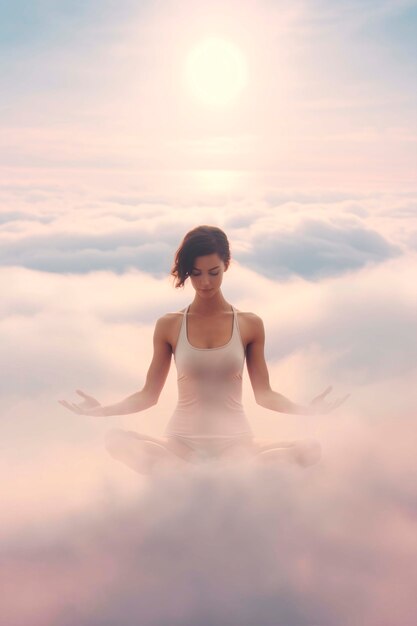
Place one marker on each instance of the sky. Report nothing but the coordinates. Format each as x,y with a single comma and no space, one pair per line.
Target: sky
292,126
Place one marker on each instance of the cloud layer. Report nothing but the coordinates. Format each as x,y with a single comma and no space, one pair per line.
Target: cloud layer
236,545
314,235
85,540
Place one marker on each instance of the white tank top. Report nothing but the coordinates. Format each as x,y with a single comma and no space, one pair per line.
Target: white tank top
209,388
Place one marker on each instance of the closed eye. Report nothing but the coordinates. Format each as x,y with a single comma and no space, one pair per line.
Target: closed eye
210,274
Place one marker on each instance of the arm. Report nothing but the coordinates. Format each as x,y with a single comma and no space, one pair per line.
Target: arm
259,377
148,395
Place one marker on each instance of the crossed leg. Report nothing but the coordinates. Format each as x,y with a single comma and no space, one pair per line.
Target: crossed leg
304,452
144,453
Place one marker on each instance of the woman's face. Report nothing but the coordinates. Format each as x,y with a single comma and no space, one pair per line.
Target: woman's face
207,274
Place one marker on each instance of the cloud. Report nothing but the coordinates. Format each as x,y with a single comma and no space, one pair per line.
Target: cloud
93,255
362,320
20,216
117,250
316,249
313,236
94,332
221,545
231,545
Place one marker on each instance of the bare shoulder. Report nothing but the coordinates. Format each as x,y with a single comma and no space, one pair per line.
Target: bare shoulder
249,318
248,315
251,326
167,327
169,318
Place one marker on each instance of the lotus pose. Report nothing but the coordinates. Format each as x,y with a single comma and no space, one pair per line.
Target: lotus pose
210,340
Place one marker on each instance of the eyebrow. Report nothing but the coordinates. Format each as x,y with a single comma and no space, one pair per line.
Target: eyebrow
212,268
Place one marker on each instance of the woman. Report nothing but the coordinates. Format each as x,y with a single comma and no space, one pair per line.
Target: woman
210,340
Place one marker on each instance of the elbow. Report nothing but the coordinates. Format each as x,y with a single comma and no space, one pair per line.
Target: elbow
258,400
261,397
153,397
143,400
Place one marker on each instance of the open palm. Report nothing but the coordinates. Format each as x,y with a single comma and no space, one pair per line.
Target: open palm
321,406
81,408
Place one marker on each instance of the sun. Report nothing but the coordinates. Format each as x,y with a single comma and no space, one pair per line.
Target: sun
216,71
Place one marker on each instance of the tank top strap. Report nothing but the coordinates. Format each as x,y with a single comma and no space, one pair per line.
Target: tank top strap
181,334
236,329
184,322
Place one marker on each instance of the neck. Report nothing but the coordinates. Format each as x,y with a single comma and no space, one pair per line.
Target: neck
210,306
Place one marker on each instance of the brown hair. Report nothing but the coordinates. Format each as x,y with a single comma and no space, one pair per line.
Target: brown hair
199,241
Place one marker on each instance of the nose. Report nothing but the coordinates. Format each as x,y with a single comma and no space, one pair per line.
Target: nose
204,282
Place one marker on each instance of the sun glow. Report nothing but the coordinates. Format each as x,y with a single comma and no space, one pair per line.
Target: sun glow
216,71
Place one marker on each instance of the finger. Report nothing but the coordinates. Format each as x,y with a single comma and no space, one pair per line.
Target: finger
66,405
81,393
340,401
326,391
317,399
